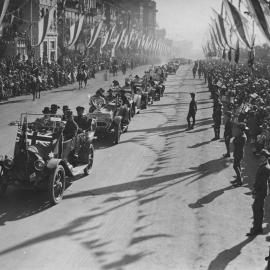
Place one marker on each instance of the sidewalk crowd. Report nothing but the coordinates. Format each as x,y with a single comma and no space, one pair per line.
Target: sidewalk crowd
21,77
242,95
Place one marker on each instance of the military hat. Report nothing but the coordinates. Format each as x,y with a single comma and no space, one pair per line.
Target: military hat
192,94
54,106
65,107
80,108
46,110
68,112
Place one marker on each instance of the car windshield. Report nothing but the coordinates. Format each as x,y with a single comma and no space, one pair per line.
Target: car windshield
41,122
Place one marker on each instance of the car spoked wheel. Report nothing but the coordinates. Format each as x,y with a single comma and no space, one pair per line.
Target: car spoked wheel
57,185
3,186
89,166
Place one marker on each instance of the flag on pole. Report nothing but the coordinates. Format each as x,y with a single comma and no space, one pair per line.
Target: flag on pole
43,26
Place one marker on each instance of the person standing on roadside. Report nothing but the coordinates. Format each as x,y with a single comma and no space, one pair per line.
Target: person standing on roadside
192,111
217,114
228,133
238,153
259,193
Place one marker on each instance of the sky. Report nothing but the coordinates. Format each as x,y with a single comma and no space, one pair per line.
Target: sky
186,19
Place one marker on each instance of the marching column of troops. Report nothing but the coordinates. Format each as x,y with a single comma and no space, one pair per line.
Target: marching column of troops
241,95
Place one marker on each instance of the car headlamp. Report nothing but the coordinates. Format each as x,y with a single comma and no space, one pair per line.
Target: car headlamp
39,165
8,163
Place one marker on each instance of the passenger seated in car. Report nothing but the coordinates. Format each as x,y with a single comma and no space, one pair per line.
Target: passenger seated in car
44,120
81,120
71,128
99,95
110,97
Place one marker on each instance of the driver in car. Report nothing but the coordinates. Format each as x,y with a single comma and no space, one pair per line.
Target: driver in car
71,128
81,120
45,119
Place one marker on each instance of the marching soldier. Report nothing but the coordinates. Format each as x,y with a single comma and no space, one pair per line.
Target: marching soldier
192,111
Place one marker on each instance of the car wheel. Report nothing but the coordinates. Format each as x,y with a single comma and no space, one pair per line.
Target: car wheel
89,166
3,186
117,133
57,183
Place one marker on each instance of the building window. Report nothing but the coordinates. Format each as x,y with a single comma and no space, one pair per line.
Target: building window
52,45
53,56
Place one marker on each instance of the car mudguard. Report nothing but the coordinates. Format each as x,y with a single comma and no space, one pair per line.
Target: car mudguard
54,162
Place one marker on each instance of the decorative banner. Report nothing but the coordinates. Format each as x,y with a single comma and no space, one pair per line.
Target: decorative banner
240,23
94,36
261,13
215,37
121,38
43,26
219,34
220,22
107,38
75,31
4,9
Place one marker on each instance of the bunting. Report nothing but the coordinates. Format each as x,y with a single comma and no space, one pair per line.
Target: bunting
43,26
4,9
220,22
107,38
75,31
95,34
261,13
240,23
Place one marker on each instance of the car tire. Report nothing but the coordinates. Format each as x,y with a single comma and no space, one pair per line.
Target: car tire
89,166
57,184
3,186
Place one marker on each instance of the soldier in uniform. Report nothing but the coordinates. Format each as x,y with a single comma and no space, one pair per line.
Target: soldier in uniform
71,128
81,120
217,113
192,111
228,133
259,193
238,153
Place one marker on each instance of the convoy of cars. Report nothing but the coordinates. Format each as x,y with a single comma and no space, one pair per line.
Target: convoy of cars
43,159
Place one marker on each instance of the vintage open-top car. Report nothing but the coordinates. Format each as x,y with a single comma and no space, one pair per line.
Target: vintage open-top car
43,159
111,118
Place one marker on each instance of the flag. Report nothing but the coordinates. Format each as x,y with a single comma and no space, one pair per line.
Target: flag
75,31
240,23
215,37
95,34
261,13
4,9
107,38
43,26
230,54
221,24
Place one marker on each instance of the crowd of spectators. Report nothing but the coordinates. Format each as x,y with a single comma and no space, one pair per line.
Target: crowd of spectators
19,76
245,92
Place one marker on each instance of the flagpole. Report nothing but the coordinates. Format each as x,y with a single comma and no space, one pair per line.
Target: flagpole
31,21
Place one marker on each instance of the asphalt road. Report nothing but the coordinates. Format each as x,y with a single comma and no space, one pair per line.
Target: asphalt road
159,200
